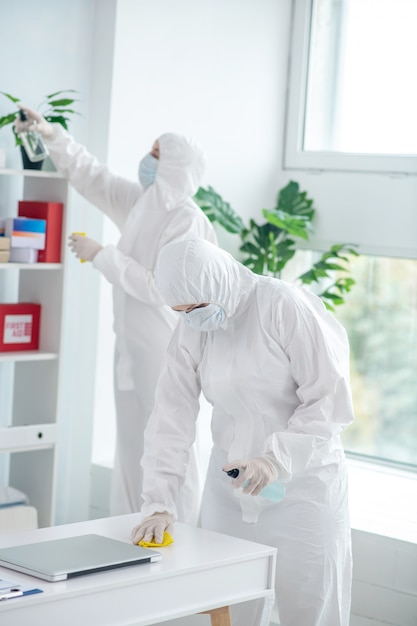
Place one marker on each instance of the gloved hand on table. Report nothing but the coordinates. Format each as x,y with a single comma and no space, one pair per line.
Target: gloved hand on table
257,473
152,528
83,247
36,122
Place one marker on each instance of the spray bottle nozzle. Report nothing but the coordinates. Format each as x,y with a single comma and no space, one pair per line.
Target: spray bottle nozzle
234,473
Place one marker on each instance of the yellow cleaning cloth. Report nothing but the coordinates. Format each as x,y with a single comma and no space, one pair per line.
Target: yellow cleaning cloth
151,544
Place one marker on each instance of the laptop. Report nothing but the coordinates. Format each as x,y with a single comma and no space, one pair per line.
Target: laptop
59,559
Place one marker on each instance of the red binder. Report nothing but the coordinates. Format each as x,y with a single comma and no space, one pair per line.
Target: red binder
52,212
19,326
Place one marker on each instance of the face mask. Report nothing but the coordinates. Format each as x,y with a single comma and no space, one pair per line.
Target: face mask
147,170
205,318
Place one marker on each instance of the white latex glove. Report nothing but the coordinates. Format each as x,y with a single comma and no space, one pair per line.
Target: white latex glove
259,472
84,248
36,122
152,528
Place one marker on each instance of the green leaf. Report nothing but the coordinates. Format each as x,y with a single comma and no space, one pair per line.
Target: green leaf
12,98
64,102
17,140
333,297
67,111
57,93
250,248
58,119
308,277
325,265
295,225
344,285
349,282
290,200
265,249
8,119
285,251
217,210
256,265
338,247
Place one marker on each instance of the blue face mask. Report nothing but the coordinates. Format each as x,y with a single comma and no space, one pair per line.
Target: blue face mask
147,170
205,318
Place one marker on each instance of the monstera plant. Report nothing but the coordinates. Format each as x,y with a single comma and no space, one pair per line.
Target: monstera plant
267,248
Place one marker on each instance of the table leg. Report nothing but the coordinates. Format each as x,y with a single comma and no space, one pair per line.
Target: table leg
219,617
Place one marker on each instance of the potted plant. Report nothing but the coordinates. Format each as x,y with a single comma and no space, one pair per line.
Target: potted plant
55,108
267,248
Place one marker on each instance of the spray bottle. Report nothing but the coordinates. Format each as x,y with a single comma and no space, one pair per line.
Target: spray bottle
275,492
32,141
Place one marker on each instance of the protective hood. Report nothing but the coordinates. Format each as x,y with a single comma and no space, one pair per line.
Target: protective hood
196,271
180,169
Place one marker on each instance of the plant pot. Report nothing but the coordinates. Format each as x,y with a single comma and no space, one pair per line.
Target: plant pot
27,163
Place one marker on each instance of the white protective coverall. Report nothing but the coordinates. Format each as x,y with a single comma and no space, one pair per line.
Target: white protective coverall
277,375
143,324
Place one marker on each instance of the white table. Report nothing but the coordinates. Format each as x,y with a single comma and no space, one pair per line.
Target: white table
199,572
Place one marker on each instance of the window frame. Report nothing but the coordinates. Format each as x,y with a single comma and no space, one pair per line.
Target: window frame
294,157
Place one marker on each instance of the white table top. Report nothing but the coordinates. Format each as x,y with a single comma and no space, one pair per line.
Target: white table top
201,570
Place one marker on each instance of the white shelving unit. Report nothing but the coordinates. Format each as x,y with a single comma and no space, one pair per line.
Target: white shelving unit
30,381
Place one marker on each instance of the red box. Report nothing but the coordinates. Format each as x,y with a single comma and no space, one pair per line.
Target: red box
19,326
52,212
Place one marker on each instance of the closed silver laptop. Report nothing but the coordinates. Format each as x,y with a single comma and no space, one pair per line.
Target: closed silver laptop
59,559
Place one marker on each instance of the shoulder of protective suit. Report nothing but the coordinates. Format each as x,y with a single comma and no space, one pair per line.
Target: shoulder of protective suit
278,295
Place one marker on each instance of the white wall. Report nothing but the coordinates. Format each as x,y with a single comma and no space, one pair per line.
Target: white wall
375,211
45,46
384,590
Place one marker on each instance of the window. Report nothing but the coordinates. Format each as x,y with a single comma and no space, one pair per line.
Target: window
380,317
352,98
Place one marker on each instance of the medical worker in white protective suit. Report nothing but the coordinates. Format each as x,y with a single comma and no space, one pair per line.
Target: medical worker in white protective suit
148,214
275,366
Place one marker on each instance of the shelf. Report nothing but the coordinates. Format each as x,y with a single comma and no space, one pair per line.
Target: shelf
30,173
30,266
31,437
27,355
28,446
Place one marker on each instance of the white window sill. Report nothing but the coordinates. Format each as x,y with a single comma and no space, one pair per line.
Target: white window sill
383,500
